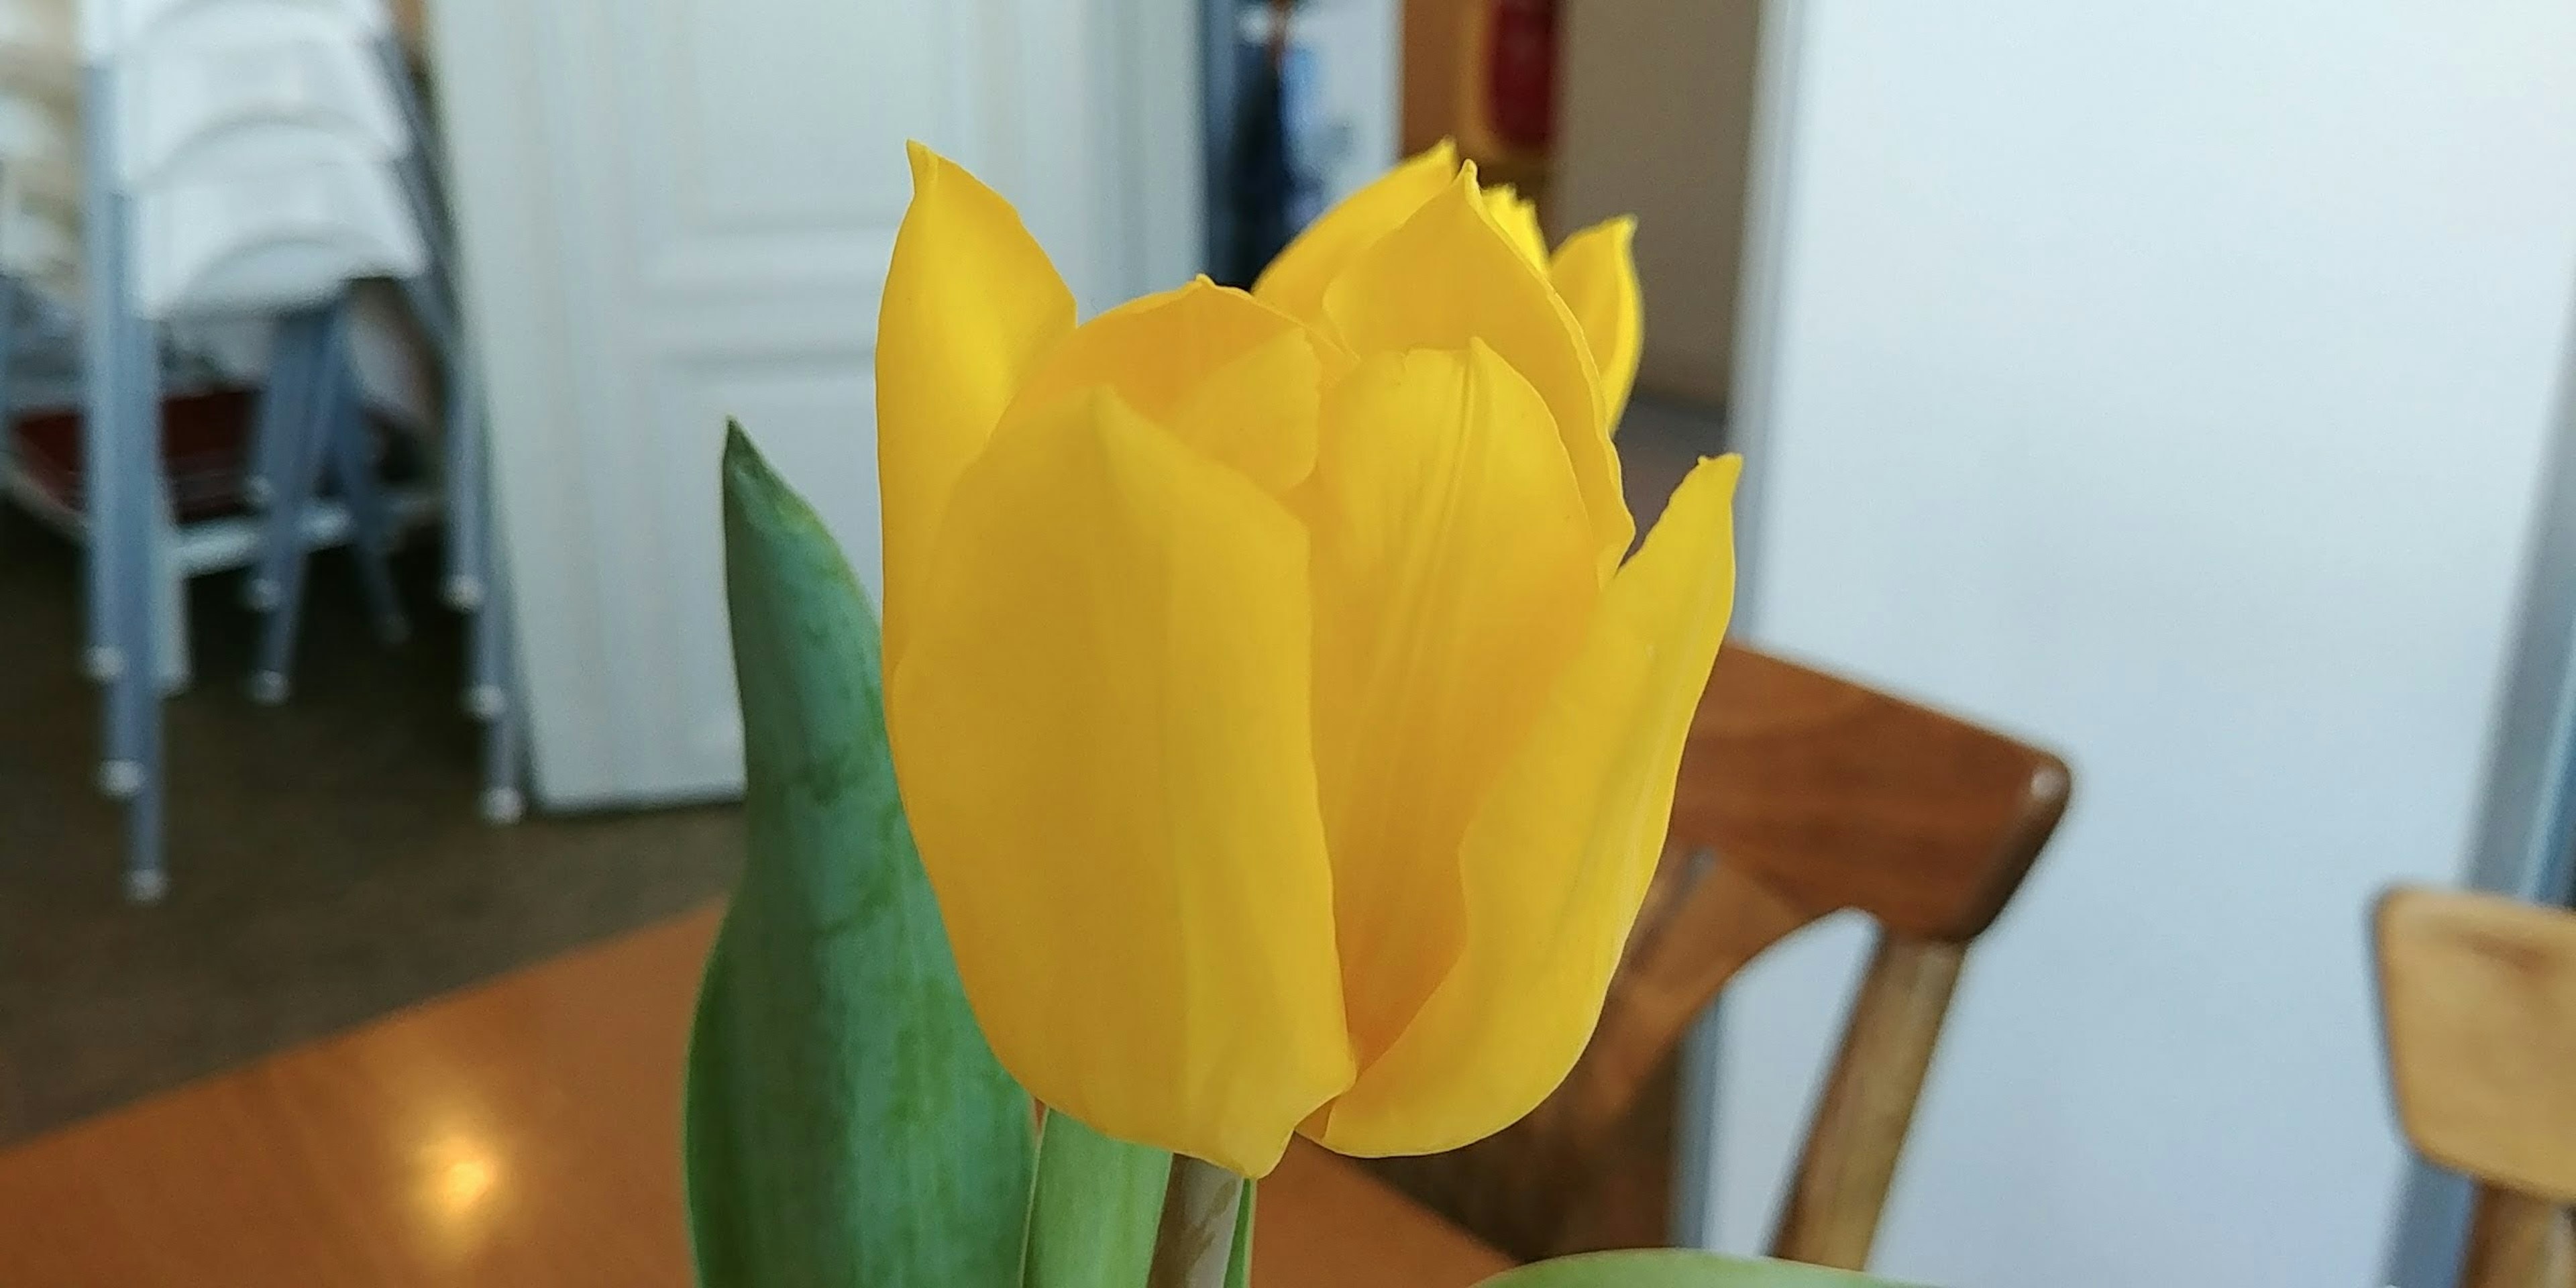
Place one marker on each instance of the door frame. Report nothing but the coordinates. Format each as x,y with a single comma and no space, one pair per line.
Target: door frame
1753,403
2525,844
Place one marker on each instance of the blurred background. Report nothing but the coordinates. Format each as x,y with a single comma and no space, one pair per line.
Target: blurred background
2184,387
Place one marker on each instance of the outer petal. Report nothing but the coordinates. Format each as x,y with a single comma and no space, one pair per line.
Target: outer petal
1450,275
1101,737
1453,576
1236,379
1295,281
1557,859
1596,274
1517,216
970,304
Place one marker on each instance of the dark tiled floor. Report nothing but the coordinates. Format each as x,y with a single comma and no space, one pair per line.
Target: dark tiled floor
327,864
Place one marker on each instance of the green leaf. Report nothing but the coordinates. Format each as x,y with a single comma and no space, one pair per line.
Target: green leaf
1098,1202
1238,1264
846,1123
1677,1268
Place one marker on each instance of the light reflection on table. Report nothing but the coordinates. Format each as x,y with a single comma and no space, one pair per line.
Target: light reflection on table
522,1133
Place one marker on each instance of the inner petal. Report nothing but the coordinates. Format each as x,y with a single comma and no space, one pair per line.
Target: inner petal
1450,274
1453,575
1233,378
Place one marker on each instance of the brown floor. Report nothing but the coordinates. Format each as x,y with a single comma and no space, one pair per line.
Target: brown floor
326,860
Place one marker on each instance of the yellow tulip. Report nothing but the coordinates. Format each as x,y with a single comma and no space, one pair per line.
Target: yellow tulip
1285,738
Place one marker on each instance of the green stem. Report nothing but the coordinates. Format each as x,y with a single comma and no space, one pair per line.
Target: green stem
1197,1234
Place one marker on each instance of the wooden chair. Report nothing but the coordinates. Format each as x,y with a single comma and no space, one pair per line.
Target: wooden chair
1814,795
2477,997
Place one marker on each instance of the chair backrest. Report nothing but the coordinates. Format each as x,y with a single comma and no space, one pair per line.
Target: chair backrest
1800,795
2477,999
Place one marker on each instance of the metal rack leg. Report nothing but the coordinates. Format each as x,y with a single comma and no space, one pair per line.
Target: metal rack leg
420,166
467,586
473,581
281,407
286,551
169,587
117,469
102,338
434,301
351,445
285,410
146,544
487,692
497,702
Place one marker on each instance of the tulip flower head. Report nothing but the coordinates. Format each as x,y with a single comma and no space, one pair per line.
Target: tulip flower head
1284,724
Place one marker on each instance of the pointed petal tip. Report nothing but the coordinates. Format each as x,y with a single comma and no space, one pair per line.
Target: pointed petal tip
1706,495
1724,470
1700,513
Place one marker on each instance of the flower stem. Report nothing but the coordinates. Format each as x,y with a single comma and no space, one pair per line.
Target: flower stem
1197,1234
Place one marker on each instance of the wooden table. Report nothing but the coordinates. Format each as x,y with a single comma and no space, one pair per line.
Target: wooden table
523,1132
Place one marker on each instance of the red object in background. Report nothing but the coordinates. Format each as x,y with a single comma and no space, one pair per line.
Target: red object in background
1520,72
204,438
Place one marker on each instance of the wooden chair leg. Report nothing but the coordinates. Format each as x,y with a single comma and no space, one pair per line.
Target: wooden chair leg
1831,1215
1627,1198
2517,1241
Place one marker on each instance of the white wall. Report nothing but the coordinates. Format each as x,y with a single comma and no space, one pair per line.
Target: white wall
2169,384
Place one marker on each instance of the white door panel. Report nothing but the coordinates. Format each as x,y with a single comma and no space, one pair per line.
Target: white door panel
679,211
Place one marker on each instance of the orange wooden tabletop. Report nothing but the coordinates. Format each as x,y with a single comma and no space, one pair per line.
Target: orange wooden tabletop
524,1132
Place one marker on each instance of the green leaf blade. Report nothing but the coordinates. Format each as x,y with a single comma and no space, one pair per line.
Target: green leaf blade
845,1121
1238,1265
1099,1201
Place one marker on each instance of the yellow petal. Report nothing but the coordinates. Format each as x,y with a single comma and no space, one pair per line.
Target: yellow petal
1235,378
1558,857
1596,274
1449,275
1518,217
1453,576
971,303
1295,281
1257,413
1101,733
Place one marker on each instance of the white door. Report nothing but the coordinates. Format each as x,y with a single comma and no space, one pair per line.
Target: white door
676,211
